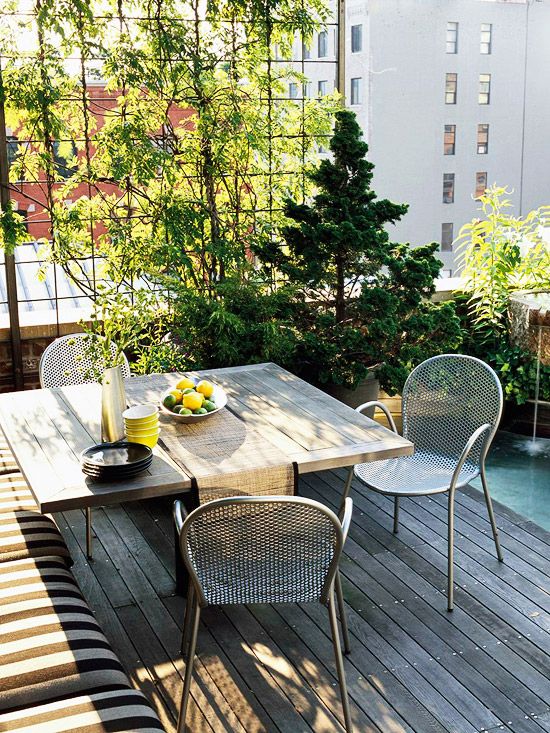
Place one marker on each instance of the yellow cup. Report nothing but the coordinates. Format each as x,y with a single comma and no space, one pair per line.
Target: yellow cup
141,416
150,439
145,423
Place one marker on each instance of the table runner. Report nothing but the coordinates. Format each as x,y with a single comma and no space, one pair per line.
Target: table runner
240,462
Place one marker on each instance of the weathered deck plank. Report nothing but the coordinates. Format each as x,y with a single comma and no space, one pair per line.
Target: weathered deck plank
414,668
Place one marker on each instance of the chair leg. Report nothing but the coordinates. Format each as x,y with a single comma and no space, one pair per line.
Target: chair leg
395,514
450,551
491,514
89,533
189,610
339,663
342,612
347,487
189,667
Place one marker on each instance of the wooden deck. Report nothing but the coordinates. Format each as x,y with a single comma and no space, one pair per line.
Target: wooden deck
413,667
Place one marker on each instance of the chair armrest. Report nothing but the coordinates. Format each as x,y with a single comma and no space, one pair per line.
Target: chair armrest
345,516
180,514
472,440
381,406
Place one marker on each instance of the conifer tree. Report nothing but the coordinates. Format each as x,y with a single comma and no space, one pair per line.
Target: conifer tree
365,301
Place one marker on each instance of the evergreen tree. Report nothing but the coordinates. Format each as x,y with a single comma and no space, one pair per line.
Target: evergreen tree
365,301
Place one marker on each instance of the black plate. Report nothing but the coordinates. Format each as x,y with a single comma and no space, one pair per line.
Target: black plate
116,455
115,472
117,469
110,476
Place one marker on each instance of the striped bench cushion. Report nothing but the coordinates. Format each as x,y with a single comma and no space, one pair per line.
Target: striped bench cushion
105,712
8,464
50,643
29,534
15,494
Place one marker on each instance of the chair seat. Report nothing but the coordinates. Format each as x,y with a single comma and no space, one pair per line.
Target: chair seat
105,712
50,643
422,473
30,534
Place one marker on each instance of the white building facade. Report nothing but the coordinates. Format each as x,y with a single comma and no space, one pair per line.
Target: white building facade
452,96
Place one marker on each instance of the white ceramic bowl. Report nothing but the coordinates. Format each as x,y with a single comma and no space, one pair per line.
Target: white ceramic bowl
218,396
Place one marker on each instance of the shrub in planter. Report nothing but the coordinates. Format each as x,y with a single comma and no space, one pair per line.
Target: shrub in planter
364,301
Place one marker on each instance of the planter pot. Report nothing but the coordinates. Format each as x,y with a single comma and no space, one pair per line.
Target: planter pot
365,391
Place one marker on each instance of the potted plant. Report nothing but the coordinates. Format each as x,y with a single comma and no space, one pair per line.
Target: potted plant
506,279
363,302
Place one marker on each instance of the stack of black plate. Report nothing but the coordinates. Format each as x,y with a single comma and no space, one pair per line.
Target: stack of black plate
115,461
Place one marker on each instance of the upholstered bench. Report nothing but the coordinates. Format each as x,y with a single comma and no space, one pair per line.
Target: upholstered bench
56,666
26,534
102,712
15,493
58,672
50,643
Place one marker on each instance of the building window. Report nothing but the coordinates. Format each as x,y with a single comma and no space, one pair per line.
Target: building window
449,140
12,149
306,51
447,237
481,184
322,44
486,38
306,89
322,88
482,139
356,91
356,38
450,88
293,90
452,38
444,274
64,155
448,188
484,88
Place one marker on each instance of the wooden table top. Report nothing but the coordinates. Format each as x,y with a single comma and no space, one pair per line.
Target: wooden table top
271,417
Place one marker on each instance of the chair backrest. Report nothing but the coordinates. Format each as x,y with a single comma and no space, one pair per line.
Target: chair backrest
445,399
70,360
270,549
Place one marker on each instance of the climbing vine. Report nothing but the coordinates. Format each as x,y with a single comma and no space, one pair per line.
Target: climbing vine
176,138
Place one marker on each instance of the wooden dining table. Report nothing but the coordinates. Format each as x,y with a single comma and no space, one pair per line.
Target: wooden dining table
271,417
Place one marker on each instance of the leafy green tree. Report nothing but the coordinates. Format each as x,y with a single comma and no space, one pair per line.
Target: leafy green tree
189,164
366,301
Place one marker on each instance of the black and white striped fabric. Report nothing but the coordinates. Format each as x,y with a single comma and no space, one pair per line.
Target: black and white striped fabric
50,643
8,464
15,494
29,534
104,712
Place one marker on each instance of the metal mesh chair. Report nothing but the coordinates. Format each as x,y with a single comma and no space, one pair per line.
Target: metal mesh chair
274,549
69,360
452,406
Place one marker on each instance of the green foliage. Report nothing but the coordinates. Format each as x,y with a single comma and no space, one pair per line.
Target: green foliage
501,254
131,321
244,323
365,302
181,168
12,228
517,371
